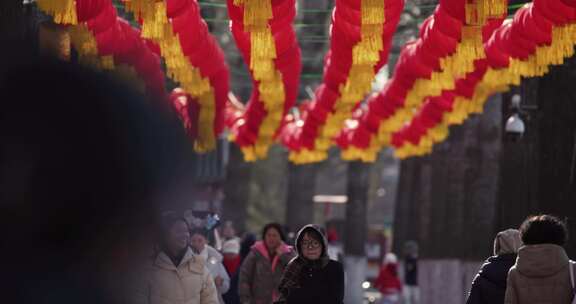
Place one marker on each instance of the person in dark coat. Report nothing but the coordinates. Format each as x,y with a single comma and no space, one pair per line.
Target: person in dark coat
489,285
311,277
232,297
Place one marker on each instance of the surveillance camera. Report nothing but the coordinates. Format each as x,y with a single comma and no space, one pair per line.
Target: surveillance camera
515,127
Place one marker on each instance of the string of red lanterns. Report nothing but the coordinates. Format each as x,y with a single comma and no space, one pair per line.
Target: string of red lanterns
464,53
361,35
265,36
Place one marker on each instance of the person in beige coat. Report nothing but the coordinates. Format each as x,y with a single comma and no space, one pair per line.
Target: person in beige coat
176,276
541,273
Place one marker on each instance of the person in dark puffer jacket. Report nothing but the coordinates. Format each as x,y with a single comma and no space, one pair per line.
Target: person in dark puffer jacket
311,277
489,285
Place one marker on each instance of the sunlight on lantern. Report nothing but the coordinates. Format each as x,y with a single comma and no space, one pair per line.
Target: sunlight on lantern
351,123
380,79
183,100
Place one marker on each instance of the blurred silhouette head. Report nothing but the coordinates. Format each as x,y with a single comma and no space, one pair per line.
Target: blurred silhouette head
85,163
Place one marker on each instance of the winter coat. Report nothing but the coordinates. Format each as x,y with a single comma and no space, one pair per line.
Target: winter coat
489,285
260,276
388,282
540,275
232,297
232,265
320,285
312,282
164,283
411,270
214,260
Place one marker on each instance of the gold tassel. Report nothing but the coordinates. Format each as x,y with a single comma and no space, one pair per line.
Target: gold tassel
63,11
249,154
373,18
373,12
270,125
257,12
322,144
494,8
262,69
306,156
54,39
206,140
367,51
261,151
480,11
471,8
107,62
83,40
353,153
272,95
156,25
262,44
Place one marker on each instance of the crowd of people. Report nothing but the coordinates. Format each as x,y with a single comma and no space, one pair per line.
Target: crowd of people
529,265
185,269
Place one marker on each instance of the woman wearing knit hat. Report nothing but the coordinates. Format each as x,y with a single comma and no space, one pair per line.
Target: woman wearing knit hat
489,285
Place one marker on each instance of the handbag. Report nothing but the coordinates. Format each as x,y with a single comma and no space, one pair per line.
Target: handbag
571,265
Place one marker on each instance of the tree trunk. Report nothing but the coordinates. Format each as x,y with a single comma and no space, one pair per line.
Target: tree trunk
355,234
445,194
301,190
237,189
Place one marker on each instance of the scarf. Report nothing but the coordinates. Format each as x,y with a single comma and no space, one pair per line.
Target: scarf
291,277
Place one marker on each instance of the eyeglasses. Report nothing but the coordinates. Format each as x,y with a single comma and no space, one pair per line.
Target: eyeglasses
310,244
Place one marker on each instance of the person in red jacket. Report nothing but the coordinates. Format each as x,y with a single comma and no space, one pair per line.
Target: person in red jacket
231,252
388,282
